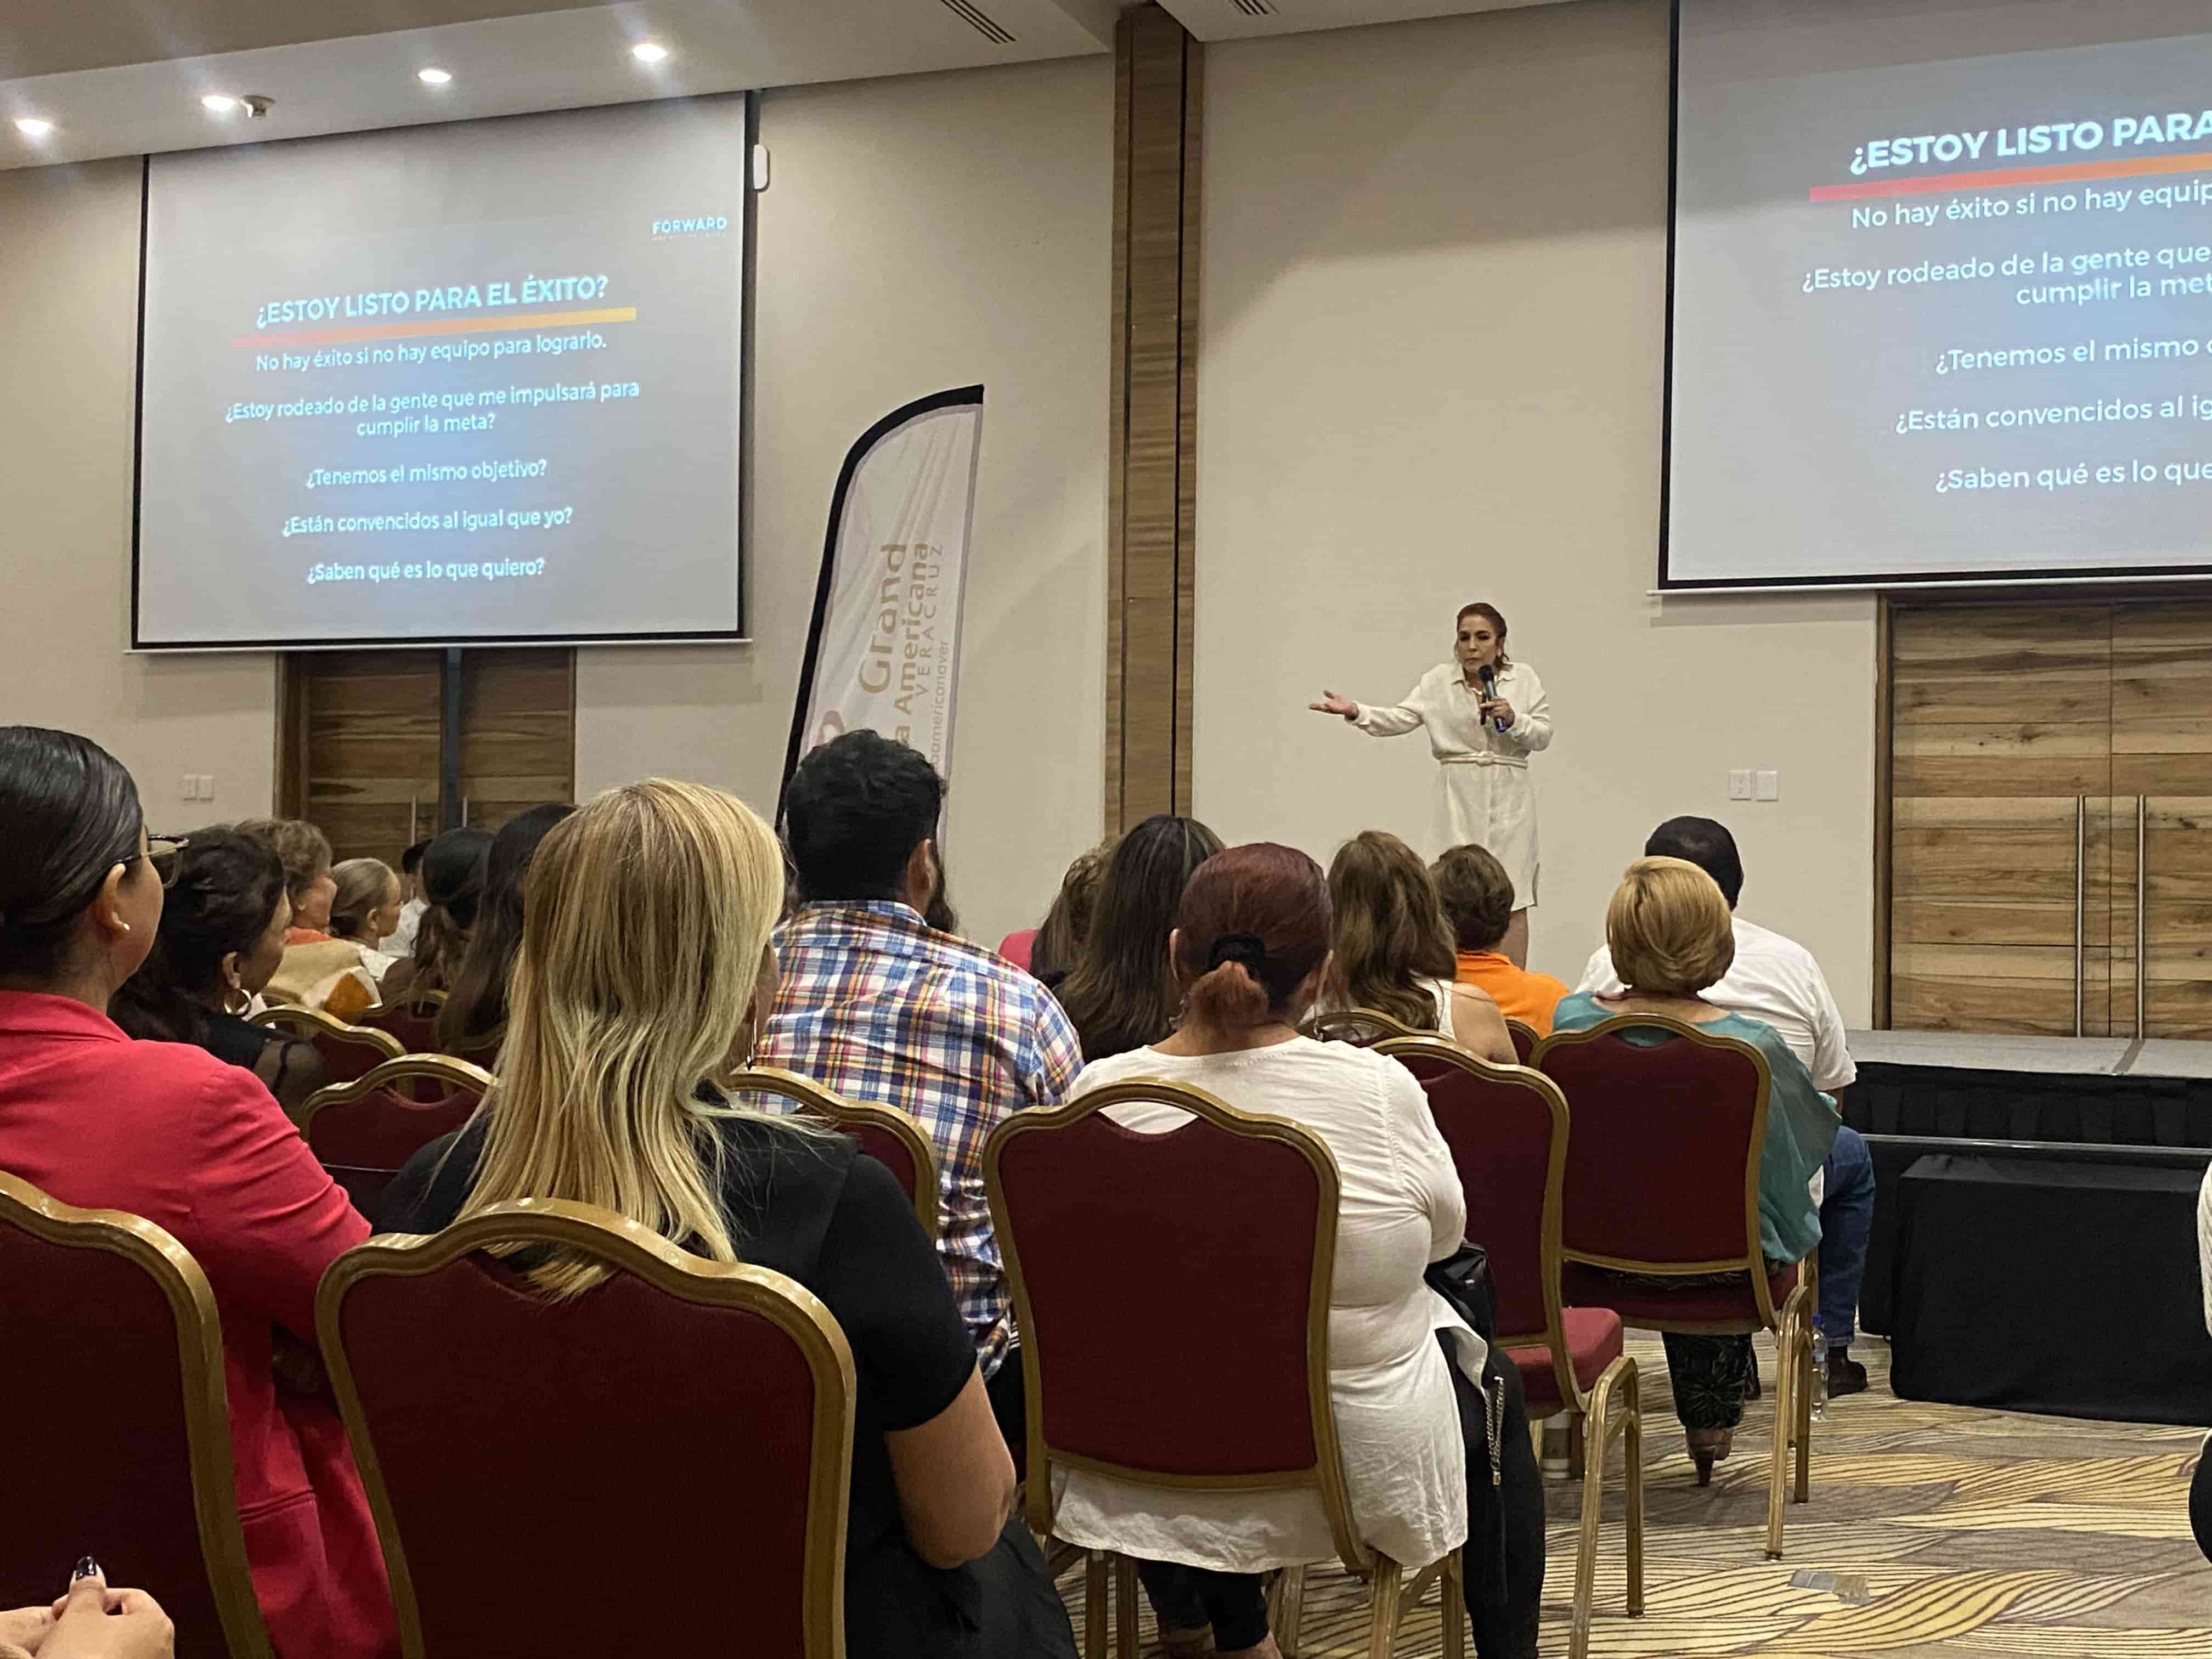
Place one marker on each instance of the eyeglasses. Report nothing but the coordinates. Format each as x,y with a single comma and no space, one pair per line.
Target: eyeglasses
166,854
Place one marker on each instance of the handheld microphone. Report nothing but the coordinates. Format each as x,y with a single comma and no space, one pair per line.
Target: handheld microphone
1488,676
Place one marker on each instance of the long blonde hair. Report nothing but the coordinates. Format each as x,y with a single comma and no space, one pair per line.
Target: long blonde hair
645,916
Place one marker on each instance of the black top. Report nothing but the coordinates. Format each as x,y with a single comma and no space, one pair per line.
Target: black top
809,1207
241,1042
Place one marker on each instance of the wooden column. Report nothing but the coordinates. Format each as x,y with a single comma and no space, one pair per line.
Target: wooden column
1152,487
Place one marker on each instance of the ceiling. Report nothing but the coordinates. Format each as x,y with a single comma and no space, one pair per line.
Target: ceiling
125,77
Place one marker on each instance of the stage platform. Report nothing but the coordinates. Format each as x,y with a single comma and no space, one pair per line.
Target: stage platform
2043,1055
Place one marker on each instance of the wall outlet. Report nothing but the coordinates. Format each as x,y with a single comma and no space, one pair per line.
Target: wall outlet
1740,783
1770,784
190,788
207,786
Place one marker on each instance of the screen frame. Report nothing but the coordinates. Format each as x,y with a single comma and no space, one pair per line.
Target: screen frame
1861,581
743,459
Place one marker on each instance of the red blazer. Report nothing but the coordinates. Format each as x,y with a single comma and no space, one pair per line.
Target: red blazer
167,1131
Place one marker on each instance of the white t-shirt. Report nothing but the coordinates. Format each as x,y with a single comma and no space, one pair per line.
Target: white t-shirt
401,944
1772,979
1400,1207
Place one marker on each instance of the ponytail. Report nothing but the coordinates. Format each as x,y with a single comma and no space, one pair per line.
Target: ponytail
1229,998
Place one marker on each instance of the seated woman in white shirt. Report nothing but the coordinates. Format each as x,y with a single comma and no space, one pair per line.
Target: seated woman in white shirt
1395,950
1251,950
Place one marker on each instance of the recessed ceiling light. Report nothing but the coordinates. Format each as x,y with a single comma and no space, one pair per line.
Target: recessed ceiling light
218,103
33,126
433,77
649,52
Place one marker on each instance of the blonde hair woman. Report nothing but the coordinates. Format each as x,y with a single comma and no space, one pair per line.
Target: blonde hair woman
644,975
1669,931
1393,948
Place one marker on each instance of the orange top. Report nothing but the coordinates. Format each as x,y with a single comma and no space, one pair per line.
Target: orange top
1520,994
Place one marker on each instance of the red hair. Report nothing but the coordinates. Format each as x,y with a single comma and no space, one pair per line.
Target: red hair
1252,926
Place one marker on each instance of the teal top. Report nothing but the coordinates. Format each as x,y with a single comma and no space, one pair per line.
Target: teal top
1801,1124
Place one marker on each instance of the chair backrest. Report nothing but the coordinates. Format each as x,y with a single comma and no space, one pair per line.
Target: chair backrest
119,1425
1112,1260
1524,1039
413,1019
1507,1126
347,1051
364,1131
885,1133
1662,1172
1362,1027
477,1050
556,1450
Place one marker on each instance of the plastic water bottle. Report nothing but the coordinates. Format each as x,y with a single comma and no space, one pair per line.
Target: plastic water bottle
1819,1381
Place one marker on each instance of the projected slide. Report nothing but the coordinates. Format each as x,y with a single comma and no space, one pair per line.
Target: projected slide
471,381
1940,310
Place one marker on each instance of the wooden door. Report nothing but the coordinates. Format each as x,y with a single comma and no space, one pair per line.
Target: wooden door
2162,769
518,731
361,748
2001,819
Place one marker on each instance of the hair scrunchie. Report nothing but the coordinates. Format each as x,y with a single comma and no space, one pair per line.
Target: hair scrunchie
1245,948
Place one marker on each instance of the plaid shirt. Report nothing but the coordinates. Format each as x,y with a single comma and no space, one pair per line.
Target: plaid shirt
879,1006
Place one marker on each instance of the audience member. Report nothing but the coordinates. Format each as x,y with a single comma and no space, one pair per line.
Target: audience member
365,911
647,966
1251,947
1477,899
1123,992
1050,951
879,1006
474,1010
1393,948
1668,934
1776,981
402,945
91,1621
305,854
167,1131
221,936
452,883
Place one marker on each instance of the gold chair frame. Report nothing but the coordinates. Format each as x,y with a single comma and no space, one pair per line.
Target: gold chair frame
627,1248
200,1364
442,1068
1620,1381
1327,1027
309,1023
1791,1323
1516,1028
812,1099
1392,1599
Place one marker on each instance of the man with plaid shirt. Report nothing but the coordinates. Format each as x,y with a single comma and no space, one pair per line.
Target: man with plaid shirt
879,1006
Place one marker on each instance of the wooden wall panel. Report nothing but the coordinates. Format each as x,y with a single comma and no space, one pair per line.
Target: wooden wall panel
518,731
1152,489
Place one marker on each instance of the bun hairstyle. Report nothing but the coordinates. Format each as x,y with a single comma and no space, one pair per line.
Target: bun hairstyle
1494,617
69,814
227,889
364,884
1252,926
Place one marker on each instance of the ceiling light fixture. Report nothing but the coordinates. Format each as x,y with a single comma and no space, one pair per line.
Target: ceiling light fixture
649,52
34,126
218,103
433,77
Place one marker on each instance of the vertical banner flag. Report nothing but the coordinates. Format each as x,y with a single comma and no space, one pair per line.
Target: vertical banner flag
883,649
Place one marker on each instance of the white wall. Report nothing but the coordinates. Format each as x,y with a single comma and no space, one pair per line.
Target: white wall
1432,333
69,309
924,233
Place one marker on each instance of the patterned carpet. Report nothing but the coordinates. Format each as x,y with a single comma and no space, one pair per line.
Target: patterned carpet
1933,1529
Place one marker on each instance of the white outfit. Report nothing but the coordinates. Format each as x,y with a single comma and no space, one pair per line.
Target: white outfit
1397,1418
403,937
1440,991
1773,979
2204,1243
1483,792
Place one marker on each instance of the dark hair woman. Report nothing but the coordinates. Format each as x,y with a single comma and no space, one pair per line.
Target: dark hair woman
167,1131
452,885
476,1005
1251,950
221,936
1122,993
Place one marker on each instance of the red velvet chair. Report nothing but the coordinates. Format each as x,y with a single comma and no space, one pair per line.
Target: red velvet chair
364,1131
885,1133
348,1051
118,1427
1361,1027
1524,1039
1101,1239
1016,945
1662,1181
658,1465
413,1019
1507,1127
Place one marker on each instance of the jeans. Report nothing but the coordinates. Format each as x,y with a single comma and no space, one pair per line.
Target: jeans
1846,1218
